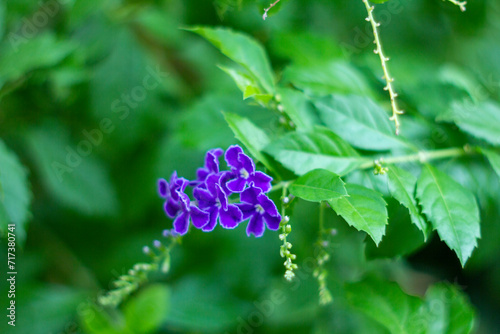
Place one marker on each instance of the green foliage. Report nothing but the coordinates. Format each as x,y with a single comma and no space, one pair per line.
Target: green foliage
364,209
318,185
106,97
451,209
15,194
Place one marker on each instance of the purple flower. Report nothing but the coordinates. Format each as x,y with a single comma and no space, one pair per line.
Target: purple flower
261,211
213,199
189,212
243,170
170,191
211,164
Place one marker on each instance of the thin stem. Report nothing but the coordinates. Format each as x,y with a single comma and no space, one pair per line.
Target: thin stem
267,9
425,156
383,60
460,4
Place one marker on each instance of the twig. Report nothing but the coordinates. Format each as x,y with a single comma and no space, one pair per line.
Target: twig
267,9
383,60
460,4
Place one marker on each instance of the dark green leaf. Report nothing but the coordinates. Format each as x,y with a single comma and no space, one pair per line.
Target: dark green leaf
302,152
71,172
15,195
318,185
242,49
402,185
451,209
360,121
364,209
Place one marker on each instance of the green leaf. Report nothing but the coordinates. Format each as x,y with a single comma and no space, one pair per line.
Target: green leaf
448,310
299,108
71,173
95,320
451,209
318,185
242,49
494,159
402,186
387,304
19,50
145,312
360,121
482,120
254,138
15,195
327,78
364,209
247,84
302,152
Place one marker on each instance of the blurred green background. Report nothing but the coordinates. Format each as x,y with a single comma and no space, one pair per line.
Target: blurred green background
98,99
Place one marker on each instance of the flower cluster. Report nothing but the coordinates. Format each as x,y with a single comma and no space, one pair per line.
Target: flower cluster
212,190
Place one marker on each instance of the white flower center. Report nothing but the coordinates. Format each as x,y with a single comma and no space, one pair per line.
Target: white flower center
244,174
259,209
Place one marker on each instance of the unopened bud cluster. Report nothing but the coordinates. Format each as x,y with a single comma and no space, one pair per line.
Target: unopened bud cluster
285,249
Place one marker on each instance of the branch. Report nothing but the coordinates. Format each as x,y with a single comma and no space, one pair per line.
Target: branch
383,60
267,9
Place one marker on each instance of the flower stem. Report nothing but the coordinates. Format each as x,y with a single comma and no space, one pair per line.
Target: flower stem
460,4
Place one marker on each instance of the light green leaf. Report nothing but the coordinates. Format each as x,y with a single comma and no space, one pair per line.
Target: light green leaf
254,138
145,312
402,186
95,320
448,310
482,120
451,209
15,195
318,185
247,84
242,49
327,78
71,173
302,152
299,108
494,159
364,209
360,121
387,304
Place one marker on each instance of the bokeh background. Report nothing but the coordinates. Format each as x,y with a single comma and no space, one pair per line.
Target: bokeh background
100,98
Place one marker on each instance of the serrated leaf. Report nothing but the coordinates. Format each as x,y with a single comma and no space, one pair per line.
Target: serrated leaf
482,120
302,152
493,158
254,138
76,180
360,121
243,50
15,195
451,209
448,310
318,185
364,209
387,304
402,185
145,312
